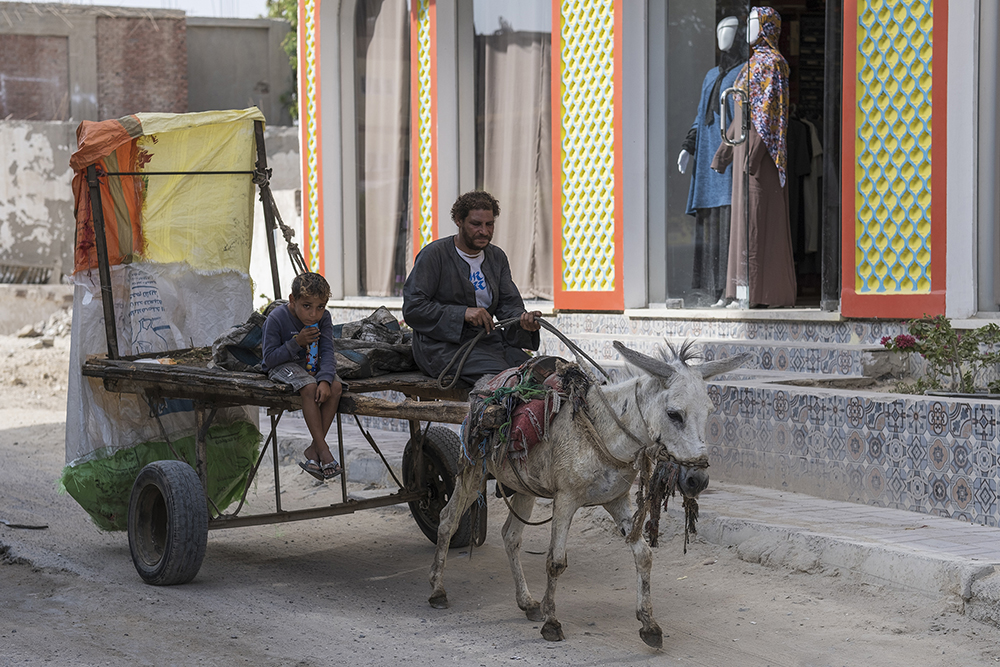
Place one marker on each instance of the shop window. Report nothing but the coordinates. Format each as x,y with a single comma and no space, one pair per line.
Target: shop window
709,261
513,132
382,112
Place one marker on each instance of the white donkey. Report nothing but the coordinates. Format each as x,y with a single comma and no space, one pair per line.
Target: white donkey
592,458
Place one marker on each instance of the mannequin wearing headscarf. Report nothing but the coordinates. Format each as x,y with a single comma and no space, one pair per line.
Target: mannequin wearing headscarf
760,243
710,193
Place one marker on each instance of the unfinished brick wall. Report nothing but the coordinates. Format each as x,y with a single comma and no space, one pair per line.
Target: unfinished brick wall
34,77
141,66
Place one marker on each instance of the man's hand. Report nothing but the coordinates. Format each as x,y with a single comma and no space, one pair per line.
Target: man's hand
322,391
528,322
307,335
479,317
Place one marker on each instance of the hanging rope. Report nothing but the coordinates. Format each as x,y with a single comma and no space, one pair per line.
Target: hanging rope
262,179
463,352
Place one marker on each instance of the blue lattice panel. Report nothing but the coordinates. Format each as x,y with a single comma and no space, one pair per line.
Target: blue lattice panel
893,146
587,138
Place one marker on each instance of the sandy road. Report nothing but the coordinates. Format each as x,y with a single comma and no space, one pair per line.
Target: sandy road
353,590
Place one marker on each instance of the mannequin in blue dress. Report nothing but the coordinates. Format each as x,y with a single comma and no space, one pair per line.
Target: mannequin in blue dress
710,194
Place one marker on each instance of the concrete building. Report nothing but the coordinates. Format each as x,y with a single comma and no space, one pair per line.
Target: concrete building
80,62
61,64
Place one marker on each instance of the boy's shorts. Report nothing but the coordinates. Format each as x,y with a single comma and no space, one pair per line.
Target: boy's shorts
292,373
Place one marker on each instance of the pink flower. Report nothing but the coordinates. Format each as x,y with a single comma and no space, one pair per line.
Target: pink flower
885,340
905,341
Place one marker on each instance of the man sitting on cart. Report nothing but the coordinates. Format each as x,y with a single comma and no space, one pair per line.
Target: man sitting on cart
457,286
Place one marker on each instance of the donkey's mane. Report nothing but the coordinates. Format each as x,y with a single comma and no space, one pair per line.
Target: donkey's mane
686,353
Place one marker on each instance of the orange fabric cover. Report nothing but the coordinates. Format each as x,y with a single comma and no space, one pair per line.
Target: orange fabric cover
109,147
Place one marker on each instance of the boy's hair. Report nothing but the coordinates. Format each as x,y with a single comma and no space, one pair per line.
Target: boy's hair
477,200
310,284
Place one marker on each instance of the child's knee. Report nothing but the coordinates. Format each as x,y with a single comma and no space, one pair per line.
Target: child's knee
308,391
336,389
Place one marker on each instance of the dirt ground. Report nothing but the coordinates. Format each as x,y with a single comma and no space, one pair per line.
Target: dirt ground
353,589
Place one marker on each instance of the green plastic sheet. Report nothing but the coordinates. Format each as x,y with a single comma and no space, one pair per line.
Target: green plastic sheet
102,485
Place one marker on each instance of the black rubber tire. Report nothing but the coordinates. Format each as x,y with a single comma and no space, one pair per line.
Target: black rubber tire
442,452
167,523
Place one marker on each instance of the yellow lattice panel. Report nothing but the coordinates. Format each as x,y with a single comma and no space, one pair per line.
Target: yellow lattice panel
425,123
893,146
587,92
309,120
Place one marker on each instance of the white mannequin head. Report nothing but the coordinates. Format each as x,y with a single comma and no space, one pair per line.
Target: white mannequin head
725,32
753,27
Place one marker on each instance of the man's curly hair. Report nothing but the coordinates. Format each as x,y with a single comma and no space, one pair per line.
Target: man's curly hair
477,200
310,284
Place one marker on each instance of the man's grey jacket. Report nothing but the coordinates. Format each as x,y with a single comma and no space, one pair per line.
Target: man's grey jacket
435,297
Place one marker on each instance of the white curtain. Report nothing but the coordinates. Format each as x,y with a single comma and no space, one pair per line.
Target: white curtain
383,70
517,152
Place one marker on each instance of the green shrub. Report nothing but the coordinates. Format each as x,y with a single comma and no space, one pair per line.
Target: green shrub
957,360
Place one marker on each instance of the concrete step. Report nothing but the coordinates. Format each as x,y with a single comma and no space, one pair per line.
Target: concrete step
831,359
746,325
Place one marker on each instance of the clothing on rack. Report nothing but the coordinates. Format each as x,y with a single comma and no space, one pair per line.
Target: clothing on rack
796,170
811,193
708,188
760,245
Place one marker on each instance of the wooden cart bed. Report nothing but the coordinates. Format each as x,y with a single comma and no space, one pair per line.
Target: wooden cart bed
186,375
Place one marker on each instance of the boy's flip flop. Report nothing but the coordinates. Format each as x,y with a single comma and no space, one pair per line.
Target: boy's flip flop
331,470
313,468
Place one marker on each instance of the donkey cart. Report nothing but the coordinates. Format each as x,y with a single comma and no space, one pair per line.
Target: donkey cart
170,513
164,230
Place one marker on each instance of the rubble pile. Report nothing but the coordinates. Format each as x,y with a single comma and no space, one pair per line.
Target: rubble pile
59,324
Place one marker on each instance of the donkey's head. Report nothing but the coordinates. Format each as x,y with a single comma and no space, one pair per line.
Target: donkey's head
674,403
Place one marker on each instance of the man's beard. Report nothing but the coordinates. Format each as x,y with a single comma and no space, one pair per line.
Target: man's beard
471,242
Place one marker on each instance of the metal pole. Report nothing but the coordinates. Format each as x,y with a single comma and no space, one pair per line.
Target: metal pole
830,240
265,200
201,447
103,267
274,456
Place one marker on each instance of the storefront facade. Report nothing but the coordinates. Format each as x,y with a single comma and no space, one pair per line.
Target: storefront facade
573,113
577,115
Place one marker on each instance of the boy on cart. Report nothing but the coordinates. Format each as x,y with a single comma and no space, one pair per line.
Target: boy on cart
298,350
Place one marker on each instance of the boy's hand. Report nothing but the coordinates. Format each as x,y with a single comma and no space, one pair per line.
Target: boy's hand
322,391
306,336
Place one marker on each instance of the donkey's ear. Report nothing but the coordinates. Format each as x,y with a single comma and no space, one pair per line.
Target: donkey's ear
655,367
710,369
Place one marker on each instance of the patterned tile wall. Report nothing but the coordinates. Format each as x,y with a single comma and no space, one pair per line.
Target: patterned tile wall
860,332
854,332
923,454
789,358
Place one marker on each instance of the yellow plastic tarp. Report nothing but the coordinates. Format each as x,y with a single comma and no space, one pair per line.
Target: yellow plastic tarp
205,220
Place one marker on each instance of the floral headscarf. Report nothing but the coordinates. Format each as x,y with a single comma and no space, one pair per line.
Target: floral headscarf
767,75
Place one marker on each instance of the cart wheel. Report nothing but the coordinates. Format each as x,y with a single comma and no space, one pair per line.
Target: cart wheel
167,523
442,450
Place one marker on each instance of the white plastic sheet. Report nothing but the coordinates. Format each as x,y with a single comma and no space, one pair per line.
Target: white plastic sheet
158,307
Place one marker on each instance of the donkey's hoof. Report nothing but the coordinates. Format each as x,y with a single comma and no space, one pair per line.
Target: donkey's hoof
653,637
533,611
439,600
552,631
